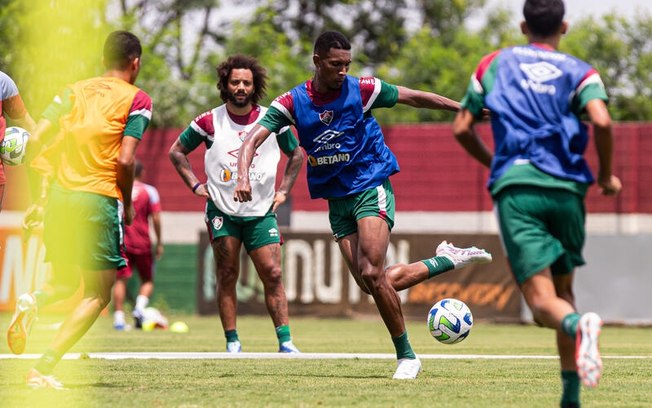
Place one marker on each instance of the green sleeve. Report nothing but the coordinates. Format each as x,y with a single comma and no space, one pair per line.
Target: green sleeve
191,139
473,101
136,125
590,92
387,97
274,120
286,141
61,105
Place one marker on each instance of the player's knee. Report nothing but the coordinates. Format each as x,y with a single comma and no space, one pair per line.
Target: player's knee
273,276
227,276
371,277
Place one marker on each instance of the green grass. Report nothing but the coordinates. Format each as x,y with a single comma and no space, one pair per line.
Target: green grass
327,383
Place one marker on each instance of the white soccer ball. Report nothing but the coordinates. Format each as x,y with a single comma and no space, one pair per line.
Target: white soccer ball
450,321
12,148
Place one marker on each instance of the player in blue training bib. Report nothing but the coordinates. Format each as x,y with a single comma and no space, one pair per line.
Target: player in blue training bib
349,164
539,176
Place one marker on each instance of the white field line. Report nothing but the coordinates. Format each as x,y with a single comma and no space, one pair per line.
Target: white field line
301,356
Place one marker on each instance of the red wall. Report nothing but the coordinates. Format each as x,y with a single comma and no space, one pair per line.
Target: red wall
436,174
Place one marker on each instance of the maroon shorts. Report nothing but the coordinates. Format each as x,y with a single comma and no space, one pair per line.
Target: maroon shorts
144,263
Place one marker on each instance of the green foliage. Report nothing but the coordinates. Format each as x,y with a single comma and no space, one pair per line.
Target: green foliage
420,44
425,63
11,31
621,50
60,43
287,63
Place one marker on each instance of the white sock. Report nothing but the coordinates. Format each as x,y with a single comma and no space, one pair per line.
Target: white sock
119,317
141,302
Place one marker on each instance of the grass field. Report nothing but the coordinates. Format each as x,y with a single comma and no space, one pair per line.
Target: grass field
528,377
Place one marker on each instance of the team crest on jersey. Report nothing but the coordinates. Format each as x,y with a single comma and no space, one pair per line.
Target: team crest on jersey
326,117
241,135
217,223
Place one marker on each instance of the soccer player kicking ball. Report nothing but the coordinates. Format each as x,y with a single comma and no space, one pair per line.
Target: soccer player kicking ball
349,164
87,169
539,178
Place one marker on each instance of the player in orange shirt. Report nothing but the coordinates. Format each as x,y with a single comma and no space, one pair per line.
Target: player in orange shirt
88,174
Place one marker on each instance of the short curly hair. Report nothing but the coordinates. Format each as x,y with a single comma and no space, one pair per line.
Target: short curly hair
239,61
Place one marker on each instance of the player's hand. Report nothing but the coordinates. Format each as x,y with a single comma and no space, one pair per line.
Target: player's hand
130,213
279,198
202,191
33,218
611,186
242,191
158,252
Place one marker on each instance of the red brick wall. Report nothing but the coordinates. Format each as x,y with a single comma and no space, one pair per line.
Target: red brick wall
436,174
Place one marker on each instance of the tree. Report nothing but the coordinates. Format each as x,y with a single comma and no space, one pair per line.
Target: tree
621,50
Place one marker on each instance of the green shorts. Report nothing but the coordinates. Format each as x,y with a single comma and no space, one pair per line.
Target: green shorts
540,228
344,213
253,232
83,229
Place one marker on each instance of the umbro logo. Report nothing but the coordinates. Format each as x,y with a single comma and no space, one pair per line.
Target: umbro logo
541,71
327,136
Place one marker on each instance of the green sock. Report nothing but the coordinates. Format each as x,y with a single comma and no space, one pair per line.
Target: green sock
570,396
438,265
283,334
403,347
46,363
569,324
231,335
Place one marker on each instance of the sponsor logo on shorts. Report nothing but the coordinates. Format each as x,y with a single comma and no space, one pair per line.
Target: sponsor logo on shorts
273,232
218,222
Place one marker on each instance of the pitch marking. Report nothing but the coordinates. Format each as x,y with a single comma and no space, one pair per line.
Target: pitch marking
300,356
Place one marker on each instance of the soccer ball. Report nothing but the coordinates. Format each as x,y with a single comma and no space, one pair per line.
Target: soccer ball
450,321
12,149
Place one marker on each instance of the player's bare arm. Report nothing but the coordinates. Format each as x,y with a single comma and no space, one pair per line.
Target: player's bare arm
465,134
601,120
254,138
295,159
429,100
179,157
156,223
26,122
125,174
34,214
